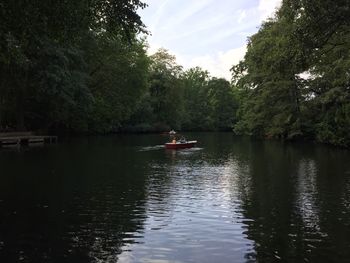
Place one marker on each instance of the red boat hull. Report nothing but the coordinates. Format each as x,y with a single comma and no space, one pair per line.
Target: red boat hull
185,145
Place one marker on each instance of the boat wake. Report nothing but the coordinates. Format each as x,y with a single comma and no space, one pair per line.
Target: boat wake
151,148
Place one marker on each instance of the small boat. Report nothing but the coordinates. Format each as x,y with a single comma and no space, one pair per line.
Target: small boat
180,145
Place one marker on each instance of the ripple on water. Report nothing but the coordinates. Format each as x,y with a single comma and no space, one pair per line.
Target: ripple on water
238,202
195,209
151,148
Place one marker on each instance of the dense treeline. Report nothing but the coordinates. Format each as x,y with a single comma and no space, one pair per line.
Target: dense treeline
295,78
82,66
187,100
70,65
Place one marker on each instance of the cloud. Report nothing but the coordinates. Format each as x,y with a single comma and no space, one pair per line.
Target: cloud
153,48
157,14
190,9
206,33
220,63
242,16
268,7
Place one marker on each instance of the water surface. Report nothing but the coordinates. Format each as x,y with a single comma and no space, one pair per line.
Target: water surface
127,199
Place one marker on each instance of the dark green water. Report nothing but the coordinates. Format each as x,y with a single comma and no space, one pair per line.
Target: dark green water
125,199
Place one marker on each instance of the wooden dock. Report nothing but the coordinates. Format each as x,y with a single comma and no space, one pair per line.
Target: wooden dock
24,138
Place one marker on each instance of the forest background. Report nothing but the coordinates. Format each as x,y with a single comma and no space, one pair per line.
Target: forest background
82,67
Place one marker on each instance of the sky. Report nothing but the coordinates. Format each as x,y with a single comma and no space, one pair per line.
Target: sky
211,34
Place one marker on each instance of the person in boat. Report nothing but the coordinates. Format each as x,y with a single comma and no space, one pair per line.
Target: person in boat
174,140
182,140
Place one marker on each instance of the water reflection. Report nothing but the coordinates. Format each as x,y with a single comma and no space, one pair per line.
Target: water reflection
287,200
190,210
307,195
81,203
122,199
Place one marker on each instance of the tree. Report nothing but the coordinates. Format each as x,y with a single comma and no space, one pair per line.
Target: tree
222,104
294,80
324,30
196,104
166,89
272,71
44,74
118,79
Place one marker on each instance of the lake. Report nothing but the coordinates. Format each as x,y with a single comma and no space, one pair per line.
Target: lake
125,198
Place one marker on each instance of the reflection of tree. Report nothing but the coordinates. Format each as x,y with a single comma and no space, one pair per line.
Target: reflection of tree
189,197
107,219
286,199
82,205
186,170
92,200
307,202
266,198
333,198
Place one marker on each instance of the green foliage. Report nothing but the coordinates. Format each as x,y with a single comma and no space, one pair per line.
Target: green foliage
57,89
118,78
79,66
189,100
166,89
196,100
306,38
273,87
70,65
222,104
330,87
